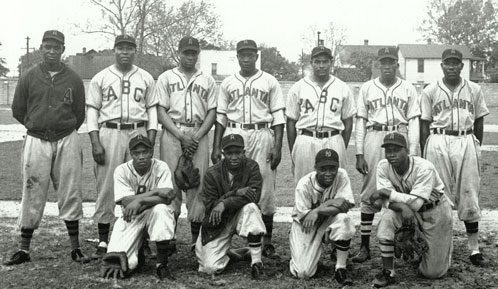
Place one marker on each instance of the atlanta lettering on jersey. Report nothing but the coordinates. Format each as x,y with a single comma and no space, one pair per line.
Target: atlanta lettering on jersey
254,92
375,104
195,88
457,103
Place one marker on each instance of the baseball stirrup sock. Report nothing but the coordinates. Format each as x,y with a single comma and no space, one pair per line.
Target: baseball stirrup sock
254,248
386,248
73,231
473,236
342,247
268,221
195,228
26,235
103,232
164,249
366,228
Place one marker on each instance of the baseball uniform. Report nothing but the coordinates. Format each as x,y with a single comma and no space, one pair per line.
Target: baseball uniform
319,113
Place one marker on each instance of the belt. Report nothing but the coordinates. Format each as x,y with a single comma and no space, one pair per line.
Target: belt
428,206
260,125
384,127
319,134
188,124
452,132
120,126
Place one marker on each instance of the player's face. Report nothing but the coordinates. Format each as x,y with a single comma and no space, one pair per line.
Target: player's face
188,59
326,175
52,51
125,54
234,156
452,68
388,67
396,155
321,65
142,157
247,59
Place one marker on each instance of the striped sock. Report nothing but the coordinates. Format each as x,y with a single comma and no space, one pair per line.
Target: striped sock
254,248
366,229
386,248
342,247
26,235
103,232
473,237
73,231
195,228
268,221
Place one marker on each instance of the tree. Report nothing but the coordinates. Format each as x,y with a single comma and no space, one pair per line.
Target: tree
3,70
277,65
332,34
363,61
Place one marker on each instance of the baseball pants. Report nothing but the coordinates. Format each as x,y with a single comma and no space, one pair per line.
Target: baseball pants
115,143
306,248
171,151
60,161
212,257
305,149
160,223
436,226
258,145
456,159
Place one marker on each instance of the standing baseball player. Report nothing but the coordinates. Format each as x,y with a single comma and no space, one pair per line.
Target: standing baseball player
231,191
50,102
453,111
187,111
250,103
322,201
385,104
320,110
144,190
414,194
120,105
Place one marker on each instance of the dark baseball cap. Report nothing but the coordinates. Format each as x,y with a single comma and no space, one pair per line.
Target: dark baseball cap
232,140
387,52
452,53
247,44
321,50
139,140
394,138
189,43
125,39
53,34
326,157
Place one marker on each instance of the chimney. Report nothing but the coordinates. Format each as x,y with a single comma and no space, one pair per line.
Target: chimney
84,50
365,42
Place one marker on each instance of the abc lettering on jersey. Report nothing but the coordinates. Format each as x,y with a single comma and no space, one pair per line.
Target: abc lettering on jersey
122,97
317,108
394,105
453,110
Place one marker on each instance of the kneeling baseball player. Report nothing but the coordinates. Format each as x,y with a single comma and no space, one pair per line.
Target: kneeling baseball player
322,201
418,218
144,190
232,189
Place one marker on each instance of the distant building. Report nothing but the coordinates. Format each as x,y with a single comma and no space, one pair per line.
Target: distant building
220,63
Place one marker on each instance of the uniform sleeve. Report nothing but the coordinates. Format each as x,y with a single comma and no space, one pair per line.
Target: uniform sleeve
480,106
94,98
151,98
362,105
425,178
382,178
209,193
302,201
349,105
222,105
277,103
344,188
212,93
234,203
79,102
161,91
413,103
20,102
426,105
164,180
122,188
292,108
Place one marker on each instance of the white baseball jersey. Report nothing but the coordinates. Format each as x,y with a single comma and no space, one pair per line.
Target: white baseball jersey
391,106
186,101
122,97
257,99
453,110
317,108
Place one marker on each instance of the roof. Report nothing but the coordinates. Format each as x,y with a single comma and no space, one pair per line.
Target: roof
433,51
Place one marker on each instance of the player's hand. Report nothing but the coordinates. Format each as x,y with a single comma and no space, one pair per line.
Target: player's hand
215,217
125,201
132,210
189,144
98,153
248,192
361,165
216,155
274,158
407,215
342,204
309,221
169,196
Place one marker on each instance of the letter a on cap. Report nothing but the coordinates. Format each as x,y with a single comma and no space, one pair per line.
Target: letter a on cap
386,50
232,136
328,153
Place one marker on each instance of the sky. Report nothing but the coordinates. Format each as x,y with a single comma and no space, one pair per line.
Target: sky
278,23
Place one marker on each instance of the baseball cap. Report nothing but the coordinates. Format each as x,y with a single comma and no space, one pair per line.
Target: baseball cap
140,139
53,34
232,140
387,52
246,44
125,39
452,53
188,43
394,138
321,50
326,157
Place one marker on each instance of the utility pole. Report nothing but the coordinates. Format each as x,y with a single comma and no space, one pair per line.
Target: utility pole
318,40
28,49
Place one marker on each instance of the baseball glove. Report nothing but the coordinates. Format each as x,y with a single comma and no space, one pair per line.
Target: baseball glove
114,265
186,175
408,241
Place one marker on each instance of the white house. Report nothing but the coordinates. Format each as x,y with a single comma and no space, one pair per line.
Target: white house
220,63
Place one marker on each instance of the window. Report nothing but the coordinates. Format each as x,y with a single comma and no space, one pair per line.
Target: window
214,68
420,66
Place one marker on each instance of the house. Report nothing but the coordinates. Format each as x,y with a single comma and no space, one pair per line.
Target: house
220,63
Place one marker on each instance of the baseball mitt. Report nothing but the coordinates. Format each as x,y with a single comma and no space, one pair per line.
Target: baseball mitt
186,175
408,241
114,265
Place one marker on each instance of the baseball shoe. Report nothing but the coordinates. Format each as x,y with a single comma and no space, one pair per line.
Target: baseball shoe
383,279
341,276
269,251
477,259
257,271
100,252
362,255
162,272
19,257
78,256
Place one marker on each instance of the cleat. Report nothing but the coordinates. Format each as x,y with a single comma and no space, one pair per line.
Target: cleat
269,251
19,257
341,276
78,256
477,259
383,279
362,255
162,271
101,250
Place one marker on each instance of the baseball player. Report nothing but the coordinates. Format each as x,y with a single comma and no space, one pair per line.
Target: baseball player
453,111
187,111
320,110
250,103
385,104
231,191
413,193
322,201
144,190
50,102
120,105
